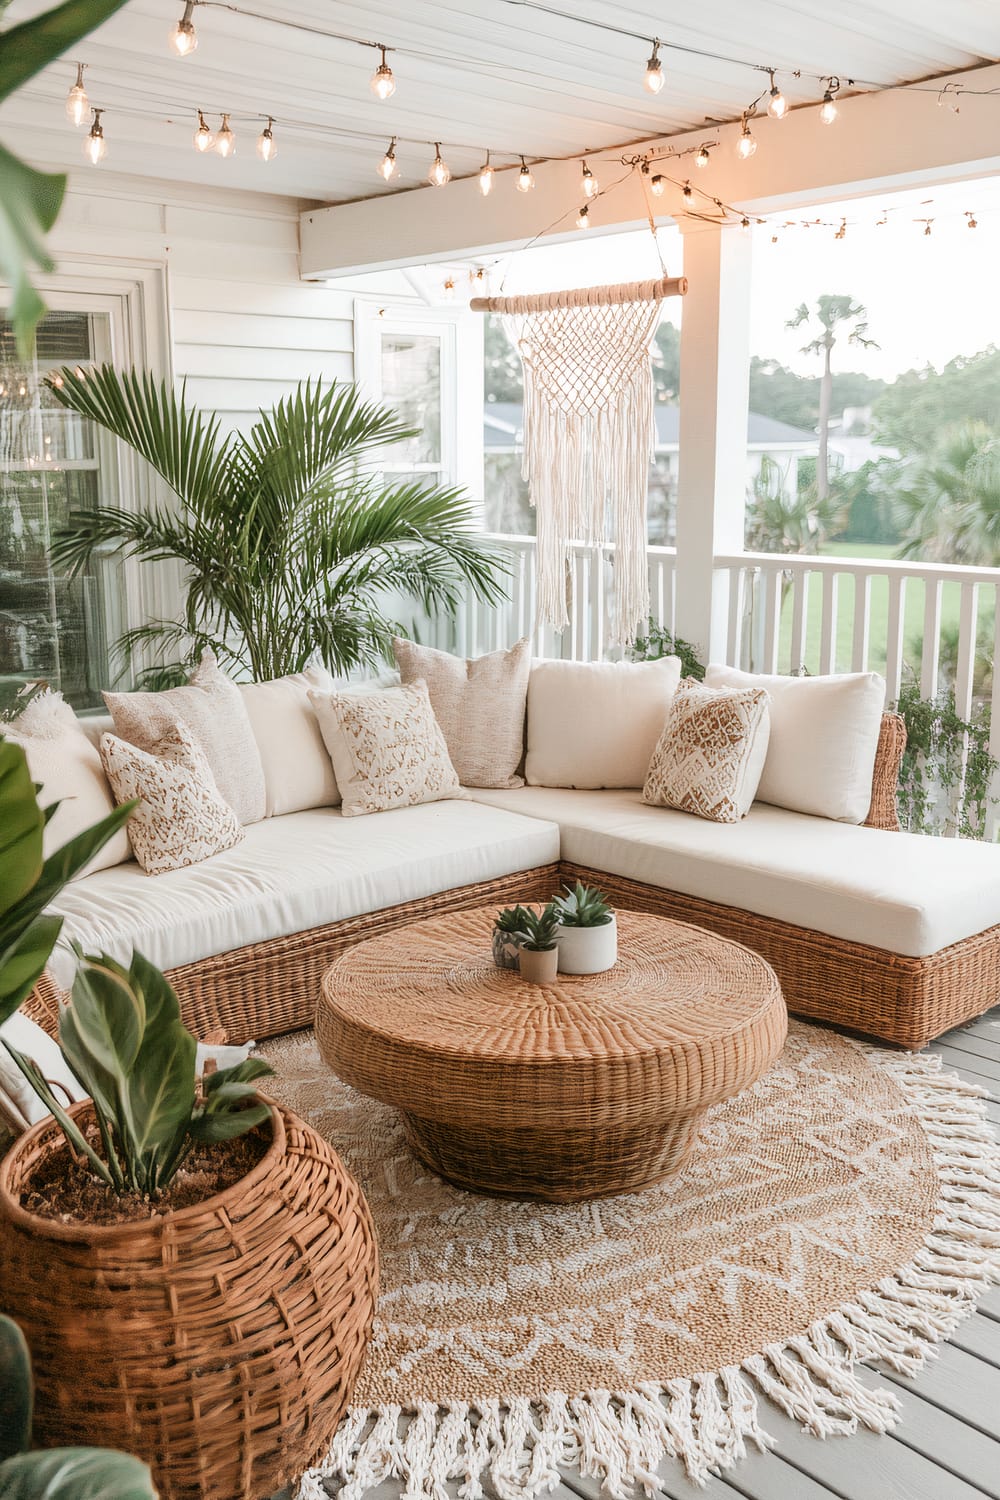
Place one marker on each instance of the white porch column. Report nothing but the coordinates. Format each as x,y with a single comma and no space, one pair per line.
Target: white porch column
714,393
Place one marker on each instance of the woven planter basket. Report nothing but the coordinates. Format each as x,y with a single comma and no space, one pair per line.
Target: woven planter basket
219,1343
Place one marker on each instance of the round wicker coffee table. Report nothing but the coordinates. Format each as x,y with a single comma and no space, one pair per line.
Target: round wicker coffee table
587,1087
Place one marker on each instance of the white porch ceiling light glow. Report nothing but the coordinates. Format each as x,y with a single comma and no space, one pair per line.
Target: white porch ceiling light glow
383,84
486,177
583,218
747,143
95,147
828,109
777,104
525,180
387,166
439,174
266,149
225,141
77,103
204,137
589,183
655,77
702,159
184,38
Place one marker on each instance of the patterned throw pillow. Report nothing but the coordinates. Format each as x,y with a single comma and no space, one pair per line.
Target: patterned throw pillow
479,705
711,753
181,818
387,748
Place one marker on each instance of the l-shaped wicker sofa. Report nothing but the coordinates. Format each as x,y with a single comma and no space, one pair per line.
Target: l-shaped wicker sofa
894,935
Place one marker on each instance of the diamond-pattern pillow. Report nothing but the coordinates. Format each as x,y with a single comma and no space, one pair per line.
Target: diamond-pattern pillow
182,817
710,756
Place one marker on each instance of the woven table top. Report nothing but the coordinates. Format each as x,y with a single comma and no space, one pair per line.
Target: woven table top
422,1018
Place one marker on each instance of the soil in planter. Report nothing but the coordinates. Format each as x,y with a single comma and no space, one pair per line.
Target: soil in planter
64,1189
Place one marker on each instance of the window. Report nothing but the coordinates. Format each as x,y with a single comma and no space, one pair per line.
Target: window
53,627
411,384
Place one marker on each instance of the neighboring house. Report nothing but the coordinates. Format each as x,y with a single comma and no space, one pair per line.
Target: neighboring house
851,441
507,509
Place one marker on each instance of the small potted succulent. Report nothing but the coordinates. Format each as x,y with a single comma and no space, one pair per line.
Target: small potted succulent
588,930
507,936
539,955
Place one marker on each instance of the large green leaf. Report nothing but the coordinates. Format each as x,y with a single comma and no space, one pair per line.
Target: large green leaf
22,825
161,1087
70,1129
75,1474
101,1031
15,1390
34,44
23,961
29,203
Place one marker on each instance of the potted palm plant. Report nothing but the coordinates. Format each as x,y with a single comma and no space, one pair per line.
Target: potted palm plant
155,1236
587,933
538,957
293,546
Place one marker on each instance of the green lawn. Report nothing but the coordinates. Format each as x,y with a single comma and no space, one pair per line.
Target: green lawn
913,618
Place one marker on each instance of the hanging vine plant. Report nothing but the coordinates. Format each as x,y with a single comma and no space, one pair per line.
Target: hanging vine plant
947,775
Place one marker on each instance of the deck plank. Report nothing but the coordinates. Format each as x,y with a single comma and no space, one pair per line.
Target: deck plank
980,1336
961,1384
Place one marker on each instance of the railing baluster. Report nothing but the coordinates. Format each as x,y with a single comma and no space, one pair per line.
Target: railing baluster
734,635
800,619
828,627
965,669
894,643
772,618
861,635
993,810
930,653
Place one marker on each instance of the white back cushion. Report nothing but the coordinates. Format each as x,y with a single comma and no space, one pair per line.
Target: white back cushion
824,734
298,773
596,723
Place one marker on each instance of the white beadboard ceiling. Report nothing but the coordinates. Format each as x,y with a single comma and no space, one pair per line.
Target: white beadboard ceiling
475,74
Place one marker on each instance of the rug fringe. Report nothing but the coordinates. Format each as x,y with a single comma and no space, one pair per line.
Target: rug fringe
707,1421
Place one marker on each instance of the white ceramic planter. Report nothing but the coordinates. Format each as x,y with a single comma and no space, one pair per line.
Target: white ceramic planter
539,965
588,950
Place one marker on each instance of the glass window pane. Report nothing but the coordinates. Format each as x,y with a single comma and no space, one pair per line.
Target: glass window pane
411,385
51,627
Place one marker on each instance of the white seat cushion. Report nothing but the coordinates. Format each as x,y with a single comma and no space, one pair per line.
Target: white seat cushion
293,873
902,892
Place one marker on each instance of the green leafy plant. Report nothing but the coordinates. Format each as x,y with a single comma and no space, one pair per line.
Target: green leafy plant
947,774
510,920
583,906
53,1473
659,641
30,200
539,929
292,544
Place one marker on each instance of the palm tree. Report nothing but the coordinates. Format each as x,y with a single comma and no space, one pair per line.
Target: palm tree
781,522
950,510
829,312
292,545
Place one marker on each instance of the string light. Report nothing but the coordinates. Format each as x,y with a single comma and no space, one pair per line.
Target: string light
204,139
383,85
449,289
583,218
77,103
225,141
658,185
744,222
486,177
841,233
687,192
828,109
971,222
525,181
777,104
588,182
184,38
927,225
95,147
703,158
747,144
654,79
439,173
266,149
387,166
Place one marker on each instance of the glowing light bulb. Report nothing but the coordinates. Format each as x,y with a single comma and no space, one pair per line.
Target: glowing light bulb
266,149
95,147
687,192
703,158
828,110
654,79
589,183
439,173
583,218
777,104
486,177
203,138
449,289
747,144
658,185
744,222
971,222
225,141
383,85
387,166
525,181
184,38
77,103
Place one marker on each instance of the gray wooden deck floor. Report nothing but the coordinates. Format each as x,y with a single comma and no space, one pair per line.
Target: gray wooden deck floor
947,1444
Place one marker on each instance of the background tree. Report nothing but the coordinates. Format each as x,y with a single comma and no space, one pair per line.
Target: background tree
503,378
830,312
667,362
776,391
911,413
781,522
949,507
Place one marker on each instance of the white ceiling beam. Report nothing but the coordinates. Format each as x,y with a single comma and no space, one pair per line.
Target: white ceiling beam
880,142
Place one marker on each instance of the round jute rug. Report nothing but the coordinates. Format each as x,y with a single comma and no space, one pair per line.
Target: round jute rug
846,1207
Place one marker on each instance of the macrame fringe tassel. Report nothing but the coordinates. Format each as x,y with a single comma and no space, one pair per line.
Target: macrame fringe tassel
708,1421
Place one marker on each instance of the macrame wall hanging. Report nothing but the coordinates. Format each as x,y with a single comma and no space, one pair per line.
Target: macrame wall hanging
589,432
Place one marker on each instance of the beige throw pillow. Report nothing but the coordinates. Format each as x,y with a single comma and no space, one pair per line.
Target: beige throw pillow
479,705
298,773
711,753
67,764
213,709
387,748
596,723
181,818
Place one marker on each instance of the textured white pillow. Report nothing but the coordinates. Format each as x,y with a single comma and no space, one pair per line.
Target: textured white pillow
596,723
213,710
711,753
67,763
298,773
182,817
387,748
19,1104
824,734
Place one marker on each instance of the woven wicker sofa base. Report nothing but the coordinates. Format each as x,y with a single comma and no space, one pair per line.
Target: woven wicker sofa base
272,987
